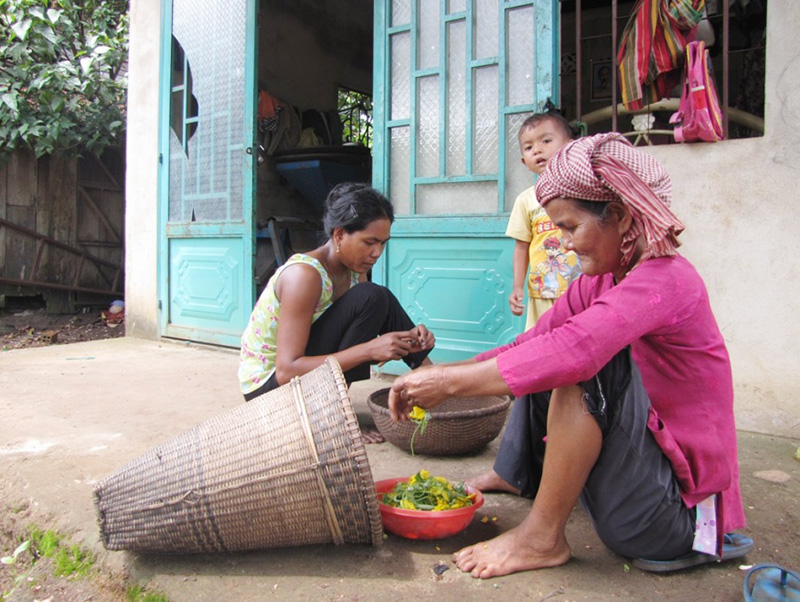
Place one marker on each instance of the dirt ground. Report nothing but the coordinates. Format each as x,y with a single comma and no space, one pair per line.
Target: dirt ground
70,415
24,328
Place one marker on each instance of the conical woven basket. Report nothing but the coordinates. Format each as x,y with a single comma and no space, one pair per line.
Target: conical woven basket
288,468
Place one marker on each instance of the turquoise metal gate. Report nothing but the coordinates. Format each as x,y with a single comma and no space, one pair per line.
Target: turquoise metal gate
207,132
454,79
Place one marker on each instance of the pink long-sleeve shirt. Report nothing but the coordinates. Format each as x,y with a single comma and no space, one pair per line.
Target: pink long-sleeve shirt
661,309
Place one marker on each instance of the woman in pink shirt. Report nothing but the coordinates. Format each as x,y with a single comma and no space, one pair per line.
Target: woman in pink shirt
625,396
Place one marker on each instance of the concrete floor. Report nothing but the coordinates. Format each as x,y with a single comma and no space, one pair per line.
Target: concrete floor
72,414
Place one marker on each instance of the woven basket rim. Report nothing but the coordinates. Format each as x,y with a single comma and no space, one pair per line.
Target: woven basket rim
503,402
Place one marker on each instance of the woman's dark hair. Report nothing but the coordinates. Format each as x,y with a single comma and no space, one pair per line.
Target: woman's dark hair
597,208
353,206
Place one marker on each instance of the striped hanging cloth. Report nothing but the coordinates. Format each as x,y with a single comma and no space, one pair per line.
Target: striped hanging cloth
652,47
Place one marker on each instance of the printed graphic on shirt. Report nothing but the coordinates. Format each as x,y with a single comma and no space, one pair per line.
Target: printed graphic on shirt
552,268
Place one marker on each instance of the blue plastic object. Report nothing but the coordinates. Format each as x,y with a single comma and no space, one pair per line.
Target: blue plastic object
771,582
314,171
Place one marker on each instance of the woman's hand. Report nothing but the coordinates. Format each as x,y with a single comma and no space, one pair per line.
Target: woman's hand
422,338
391,346
429,386
423,387
397,345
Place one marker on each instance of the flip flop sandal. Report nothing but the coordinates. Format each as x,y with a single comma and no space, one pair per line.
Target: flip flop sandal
771,582
735,545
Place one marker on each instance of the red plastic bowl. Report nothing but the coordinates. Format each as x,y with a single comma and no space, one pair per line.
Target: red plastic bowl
424,524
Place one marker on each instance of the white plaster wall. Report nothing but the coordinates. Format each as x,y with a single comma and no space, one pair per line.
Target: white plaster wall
738,200
141,197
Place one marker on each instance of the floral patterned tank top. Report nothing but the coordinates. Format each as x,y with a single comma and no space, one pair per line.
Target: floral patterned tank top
260,338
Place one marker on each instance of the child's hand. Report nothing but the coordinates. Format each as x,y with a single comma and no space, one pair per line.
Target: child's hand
515,302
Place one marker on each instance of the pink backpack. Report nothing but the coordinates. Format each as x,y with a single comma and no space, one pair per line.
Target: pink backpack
699,117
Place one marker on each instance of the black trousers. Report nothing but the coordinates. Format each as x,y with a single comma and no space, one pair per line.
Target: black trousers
364,312
631,494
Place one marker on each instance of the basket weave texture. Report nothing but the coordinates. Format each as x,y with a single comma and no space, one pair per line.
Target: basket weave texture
288,468
458,426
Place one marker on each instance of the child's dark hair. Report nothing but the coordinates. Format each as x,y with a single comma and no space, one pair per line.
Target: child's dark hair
550,115
353,206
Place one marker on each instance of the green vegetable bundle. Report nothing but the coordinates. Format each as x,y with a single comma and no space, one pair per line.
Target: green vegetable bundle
424,492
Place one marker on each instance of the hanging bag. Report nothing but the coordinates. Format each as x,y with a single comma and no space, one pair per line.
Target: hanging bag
699,118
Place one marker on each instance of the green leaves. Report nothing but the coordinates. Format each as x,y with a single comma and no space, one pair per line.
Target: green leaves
10,100
21,29
62,88
20,549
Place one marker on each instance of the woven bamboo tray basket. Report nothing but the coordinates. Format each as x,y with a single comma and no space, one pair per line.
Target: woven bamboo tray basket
288,468
458,426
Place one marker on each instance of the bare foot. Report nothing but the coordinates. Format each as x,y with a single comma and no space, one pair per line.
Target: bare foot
510,552
491,481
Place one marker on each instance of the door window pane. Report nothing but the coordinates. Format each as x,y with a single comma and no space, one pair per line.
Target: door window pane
456,98
456,6
401,12
401,76
485,39
486,120
399,170
520,56
428,51
457,198
428,127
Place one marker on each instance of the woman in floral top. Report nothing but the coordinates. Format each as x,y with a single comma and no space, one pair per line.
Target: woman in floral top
319,304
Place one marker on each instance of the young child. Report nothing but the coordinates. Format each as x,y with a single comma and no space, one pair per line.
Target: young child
538,240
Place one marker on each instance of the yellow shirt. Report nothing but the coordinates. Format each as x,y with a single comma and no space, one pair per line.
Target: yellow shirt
552,268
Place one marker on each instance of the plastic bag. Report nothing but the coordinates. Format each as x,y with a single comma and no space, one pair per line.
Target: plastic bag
699,118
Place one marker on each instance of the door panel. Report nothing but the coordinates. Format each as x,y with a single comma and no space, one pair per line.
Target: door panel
456,287
207,181
454,80
205,277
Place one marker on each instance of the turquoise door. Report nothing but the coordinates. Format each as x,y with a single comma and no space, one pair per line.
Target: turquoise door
454,80
207,174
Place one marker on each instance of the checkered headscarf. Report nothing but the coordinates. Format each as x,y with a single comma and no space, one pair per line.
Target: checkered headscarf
606,167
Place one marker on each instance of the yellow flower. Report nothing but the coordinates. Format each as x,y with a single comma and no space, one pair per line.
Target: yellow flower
417,413
425,492
440,493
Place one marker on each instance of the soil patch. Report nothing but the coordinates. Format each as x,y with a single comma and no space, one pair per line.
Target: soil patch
37,328
31,577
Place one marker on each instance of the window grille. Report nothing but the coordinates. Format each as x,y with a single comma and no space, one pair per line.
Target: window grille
590,93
